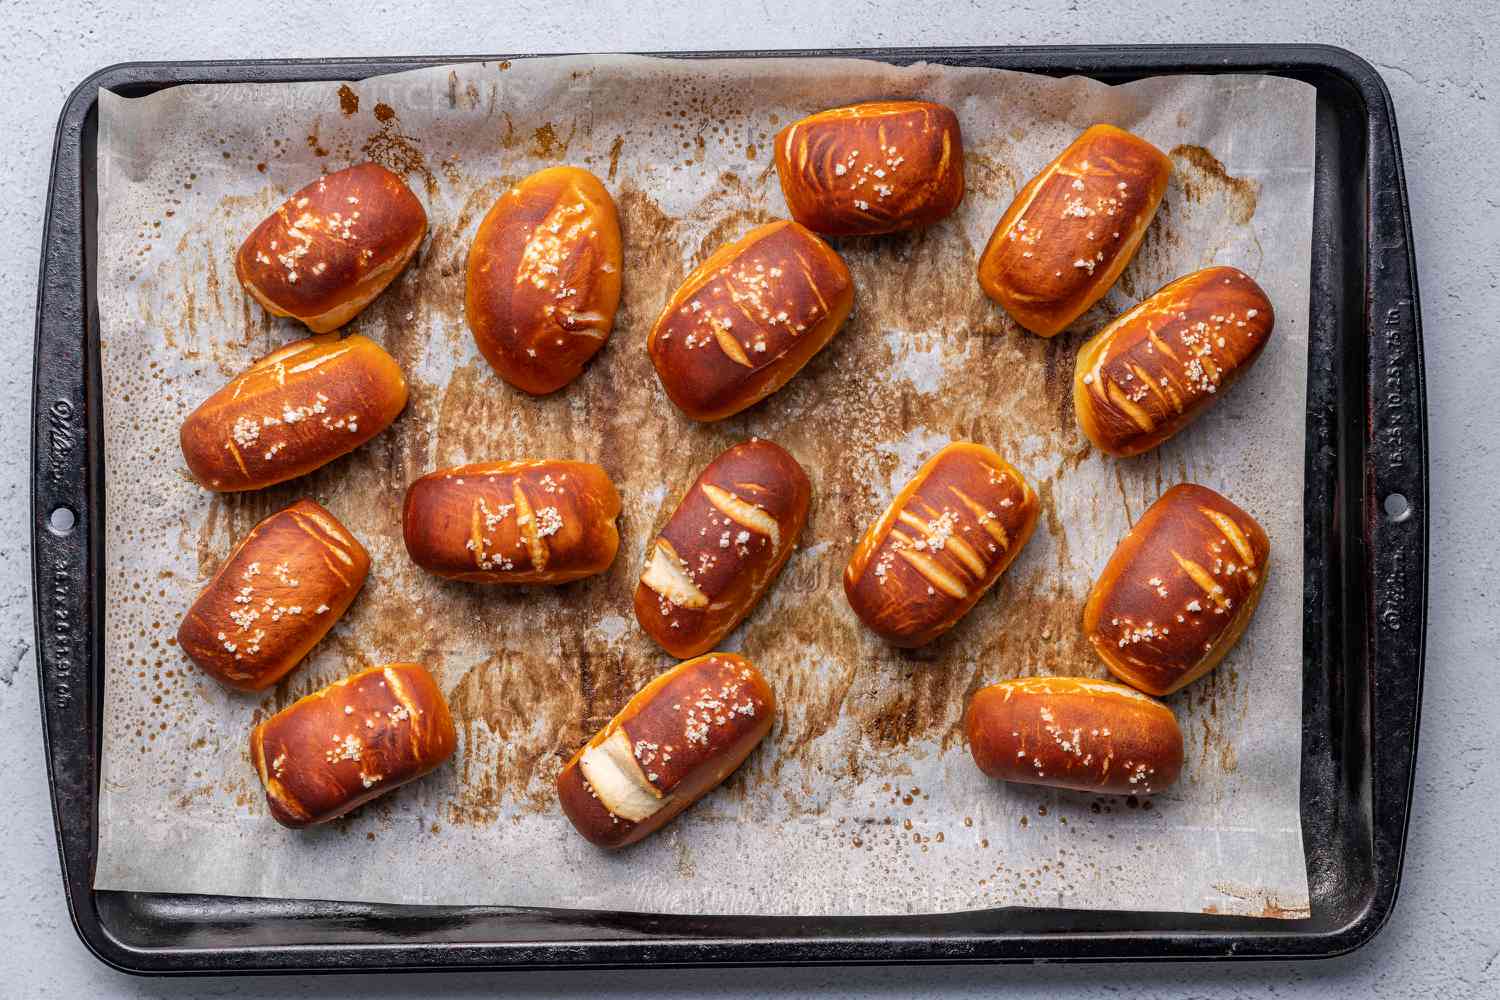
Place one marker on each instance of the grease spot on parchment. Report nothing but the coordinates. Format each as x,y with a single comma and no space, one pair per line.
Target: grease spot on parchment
396,151
471,96
615,149
990,179
1269,901
314,143
511,753
1200,172
547,145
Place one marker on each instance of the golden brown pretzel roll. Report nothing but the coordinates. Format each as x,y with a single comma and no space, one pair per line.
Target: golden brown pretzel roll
1072,229
943,541
544,278
1153,370
877,167
722,548
352,741
1178,591
291,412
275,597
545,521
671,744
1074,732
333,246
748,318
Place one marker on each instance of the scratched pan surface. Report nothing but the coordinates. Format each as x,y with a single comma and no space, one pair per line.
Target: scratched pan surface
1364,594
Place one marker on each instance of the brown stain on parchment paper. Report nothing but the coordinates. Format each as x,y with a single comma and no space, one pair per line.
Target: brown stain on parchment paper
202,304
508,138
472,98
1199,172
314,142
546,144
654,266
1269,903
499,701
436,296
396,151
1217,195
732,208
472,413
348,100
991,181
919,702
1219,702
1033,628
1052,521
230,518
615,148
923,280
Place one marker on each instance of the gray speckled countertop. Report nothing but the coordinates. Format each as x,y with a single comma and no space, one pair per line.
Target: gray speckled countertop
1437,58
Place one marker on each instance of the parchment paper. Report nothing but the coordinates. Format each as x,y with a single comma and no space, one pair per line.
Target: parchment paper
864,798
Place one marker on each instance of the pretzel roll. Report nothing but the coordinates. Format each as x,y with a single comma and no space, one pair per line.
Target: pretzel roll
291,412
544,278
545,521
1152,371
722,548
1178,591
943,541
352,741
1074,732
274,598
877,167
748,318
1072,229
672,744
333,246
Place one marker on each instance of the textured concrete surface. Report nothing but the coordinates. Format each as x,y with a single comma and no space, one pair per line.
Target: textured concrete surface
1440,63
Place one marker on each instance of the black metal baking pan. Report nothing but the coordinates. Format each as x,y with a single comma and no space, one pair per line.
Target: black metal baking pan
1365,552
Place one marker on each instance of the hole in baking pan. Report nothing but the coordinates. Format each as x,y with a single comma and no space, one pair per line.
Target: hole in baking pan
61,521
1397,508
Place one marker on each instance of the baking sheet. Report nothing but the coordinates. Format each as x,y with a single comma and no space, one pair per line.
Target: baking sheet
864,798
